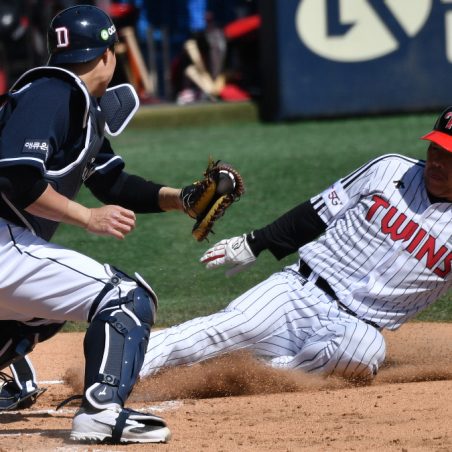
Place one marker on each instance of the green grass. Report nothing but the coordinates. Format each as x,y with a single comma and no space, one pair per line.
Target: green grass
282,164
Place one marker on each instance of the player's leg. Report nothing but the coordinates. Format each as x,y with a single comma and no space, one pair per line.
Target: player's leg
20,390
114,346
120,311
17,339
42,280
259,320
361,352
345,347
190,342
286,319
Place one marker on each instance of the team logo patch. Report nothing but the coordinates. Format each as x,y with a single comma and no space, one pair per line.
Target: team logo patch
62,35
107,32
335,198
398,184
34,146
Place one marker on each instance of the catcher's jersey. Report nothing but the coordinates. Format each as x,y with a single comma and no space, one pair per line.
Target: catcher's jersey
51,122
387,250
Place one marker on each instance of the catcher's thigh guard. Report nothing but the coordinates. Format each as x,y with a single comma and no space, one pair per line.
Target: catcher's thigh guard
114,345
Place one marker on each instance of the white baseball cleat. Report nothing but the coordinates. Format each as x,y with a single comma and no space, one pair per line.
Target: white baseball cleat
124,426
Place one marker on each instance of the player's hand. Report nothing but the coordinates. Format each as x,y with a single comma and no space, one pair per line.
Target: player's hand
110,220
234,252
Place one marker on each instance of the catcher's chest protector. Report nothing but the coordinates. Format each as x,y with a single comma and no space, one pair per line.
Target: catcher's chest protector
66,179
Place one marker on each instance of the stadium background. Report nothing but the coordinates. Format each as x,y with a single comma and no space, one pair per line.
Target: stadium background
286,152
339,83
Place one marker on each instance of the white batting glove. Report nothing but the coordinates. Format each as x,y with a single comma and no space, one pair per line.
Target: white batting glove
234,252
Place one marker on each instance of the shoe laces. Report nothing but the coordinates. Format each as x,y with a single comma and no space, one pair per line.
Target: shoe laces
68,400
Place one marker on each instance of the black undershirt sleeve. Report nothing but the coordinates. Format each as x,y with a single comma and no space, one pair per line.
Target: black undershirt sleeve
285,235
22,184
126,190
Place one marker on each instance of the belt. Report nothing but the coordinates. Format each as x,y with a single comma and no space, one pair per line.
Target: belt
305,270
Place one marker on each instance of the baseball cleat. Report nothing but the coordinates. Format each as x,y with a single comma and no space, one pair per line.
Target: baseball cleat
115,427
14,398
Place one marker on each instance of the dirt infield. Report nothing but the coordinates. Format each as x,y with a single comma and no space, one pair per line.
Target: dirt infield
235,403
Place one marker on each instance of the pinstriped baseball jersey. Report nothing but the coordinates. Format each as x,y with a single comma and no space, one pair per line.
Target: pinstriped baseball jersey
387,249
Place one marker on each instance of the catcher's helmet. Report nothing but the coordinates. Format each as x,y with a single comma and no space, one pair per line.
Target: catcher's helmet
79,34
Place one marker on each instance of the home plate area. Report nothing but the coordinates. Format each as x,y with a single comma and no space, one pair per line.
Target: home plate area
237,403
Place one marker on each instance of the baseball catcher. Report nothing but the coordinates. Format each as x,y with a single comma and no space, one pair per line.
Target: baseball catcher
53,123
207,200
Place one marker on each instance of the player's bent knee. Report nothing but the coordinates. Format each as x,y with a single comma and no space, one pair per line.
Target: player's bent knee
17,339
357,370
121,328
360,351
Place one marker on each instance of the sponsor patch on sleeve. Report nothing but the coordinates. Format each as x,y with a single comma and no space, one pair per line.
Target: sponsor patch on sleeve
36,147
335,198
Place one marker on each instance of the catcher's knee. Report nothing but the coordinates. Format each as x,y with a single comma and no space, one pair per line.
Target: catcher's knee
17,339
115,344
21,389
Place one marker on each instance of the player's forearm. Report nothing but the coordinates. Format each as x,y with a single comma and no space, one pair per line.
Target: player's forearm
54,206
289,232
134,192
169,199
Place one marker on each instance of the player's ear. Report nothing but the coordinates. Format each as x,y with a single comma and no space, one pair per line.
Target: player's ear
105,56
108,55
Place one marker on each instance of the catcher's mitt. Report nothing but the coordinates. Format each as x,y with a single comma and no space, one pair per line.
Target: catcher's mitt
206,200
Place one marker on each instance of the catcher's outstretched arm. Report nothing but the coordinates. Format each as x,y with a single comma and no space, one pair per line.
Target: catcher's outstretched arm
134,192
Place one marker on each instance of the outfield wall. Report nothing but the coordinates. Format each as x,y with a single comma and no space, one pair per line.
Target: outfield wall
327,58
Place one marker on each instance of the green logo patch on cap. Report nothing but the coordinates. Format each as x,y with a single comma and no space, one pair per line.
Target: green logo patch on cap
104,34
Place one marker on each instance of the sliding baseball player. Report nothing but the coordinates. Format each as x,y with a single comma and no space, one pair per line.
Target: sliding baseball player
374,249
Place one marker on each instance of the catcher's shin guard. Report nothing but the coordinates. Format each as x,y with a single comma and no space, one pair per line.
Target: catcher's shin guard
115,344
21,390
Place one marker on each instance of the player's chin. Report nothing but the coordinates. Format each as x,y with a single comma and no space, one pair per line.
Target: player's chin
436,184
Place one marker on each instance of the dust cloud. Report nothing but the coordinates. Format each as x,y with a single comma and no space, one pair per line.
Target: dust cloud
420,352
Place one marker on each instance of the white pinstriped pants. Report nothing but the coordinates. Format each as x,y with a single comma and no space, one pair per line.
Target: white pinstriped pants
285,319
42,280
